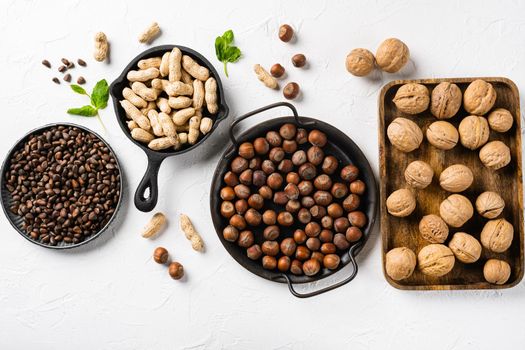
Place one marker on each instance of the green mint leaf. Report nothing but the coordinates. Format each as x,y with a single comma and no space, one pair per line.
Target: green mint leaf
228,36
79,89
233,53
219,48
225,51
100,94
86,111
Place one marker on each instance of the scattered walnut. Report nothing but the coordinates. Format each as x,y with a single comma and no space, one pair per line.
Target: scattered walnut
418,174
442,135
489,205
497,235
456,210
496,271
456,178
360,62
445,100
412,98
479,97
495,155
392,55
400,263
500,120
473,131
404,134
433,229
435,260
465,247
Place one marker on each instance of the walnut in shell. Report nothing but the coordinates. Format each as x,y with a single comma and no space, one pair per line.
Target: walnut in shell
442,135
433,229
479,97
496,271
435,260
497,235
360,62
465,247
445,100
392,55
456,210
495,155
500,120
473,131
404,134
456,178
401,203
489,204
412,98
400,263
418,174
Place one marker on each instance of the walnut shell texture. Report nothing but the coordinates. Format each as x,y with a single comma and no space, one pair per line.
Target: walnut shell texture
465,247
412,98
360,62
392,55
495,155
445,100
490,204
404,134
433,229
456,178
500,120
435,260
497,235
419,174
496,271
456,210
400,263
474,131
479,97
442,135
401,203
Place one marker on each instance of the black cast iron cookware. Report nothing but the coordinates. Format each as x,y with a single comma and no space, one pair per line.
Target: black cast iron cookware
16,220
155,158
340,146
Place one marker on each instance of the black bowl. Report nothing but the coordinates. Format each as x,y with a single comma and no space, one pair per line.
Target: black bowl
155,158
16,220
340,146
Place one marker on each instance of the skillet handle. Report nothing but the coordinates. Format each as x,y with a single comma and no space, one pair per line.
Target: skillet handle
260,110
329,288
149,181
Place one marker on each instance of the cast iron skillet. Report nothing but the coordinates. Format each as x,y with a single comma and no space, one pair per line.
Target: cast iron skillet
16,220
339,145
155,158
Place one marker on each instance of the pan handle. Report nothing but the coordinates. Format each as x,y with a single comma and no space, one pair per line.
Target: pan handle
329,288
149,181
260,110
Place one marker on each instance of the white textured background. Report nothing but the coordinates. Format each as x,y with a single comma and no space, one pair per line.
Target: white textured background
111,295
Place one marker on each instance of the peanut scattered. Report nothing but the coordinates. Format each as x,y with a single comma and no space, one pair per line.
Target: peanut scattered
149,33
265,77
191,234
155,224
101,47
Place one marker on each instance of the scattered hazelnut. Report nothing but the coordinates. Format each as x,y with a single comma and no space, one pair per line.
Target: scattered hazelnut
489,205
270,248
280,198
495,155
275,181
456,210
238,222
261,146
231,179
331,261
289,146
445,100
292,191
176,270
330,164
230,233
473,131
479,97
412,98
312,229
299,60
269,217
256,201
442,135
241,206
353,234
433,229
293,178
313,243
259,178
269,262
317,211
328,248
400,263
227,193
349,173
318,256
288,246
293,206
357,218
327,222
311,267
465,247
246,239
401,203
277,70
315,155
284,218
254,252
302,253
341,225
285,33
456,178
339,190
268,167
302,136
357,187
307,171
283,264
500,120
242,191
160,255
435,260
285,166
335,210
266,192
307,202
288,131
299,158
496,271
276,154
246,177
317,138
497,235
297,267
392,55
305,187
272,232
418,174
360,62
246,150
323,198
326,236
352,202
239,164
291,90
227,209
273,138
404,134
304,216
299,236
340,241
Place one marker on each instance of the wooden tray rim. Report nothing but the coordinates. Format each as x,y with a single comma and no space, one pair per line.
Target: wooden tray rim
382,183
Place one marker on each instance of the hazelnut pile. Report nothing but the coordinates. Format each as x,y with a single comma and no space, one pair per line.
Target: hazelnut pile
444,102
391,56
289,204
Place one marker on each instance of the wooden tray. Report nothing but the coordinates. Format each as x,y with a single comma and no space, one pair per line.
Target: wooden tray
397,232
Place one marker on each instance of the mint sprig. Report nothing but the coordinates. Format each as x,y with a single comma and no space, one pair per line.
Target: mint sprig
98,98
225,51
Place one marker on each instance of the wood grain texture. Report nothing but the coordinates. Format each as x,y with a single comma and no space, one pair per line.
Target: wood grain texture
398,232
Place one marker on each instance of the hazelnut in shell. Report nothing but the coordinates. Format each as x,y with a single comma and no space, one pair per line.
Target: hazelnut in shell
400,263
495,155
412,98
401,203
435,260
392,55
473,131
176,270
479,97
404,134
497,235
418,174
445,100
500,120
489,204
442,135
433,229
496,271
456,210
311,267
160,255
456,178
465,247
360,62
